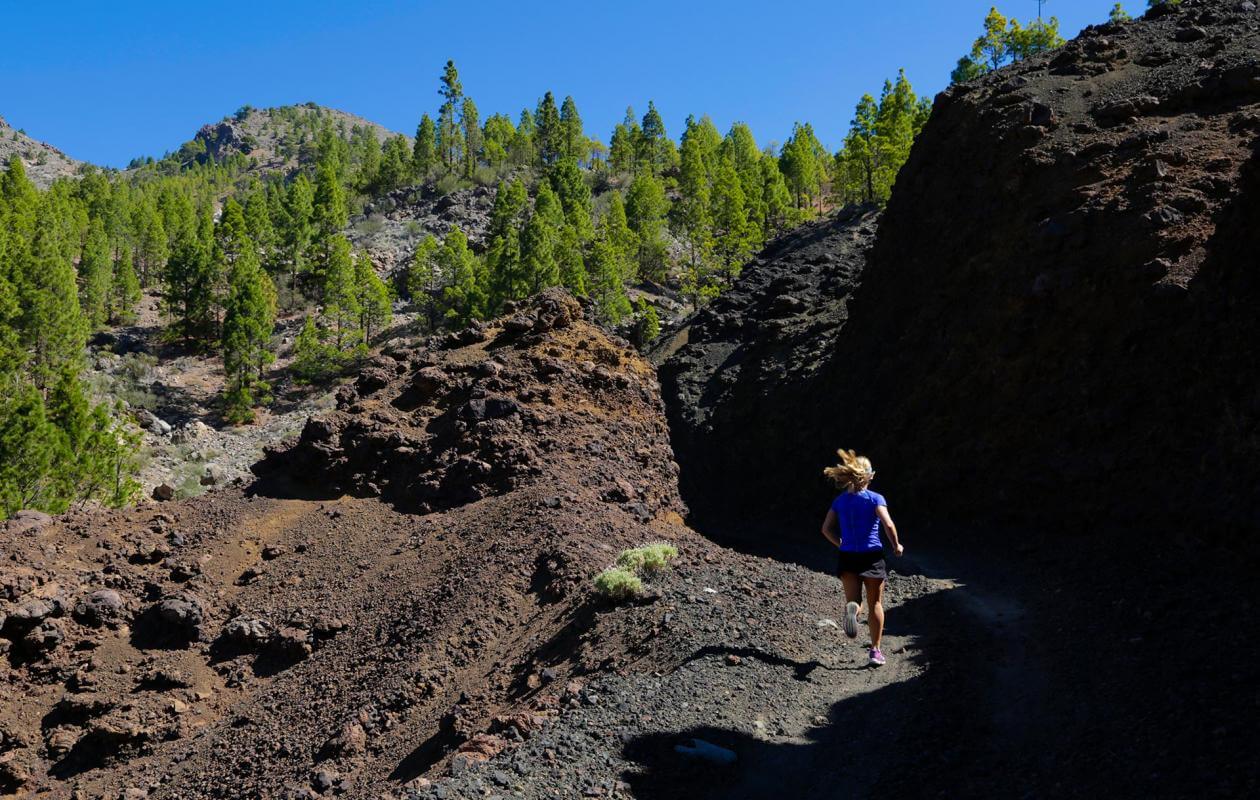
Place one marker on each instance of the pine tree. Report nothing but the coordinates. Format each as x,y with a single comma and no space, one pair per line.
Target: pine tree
11,355
313,359
861,153
538,252
895,126
95,276
967,69
395,167
424,151
1006,40
616,231
742,146
993,48
375,303
260,228
799,164
523,149
647,326
605,282
93,457
569,259
247,327
691,211
449,138
548,136
152,245
28,445
188,285
124,290
622,154
879,142
341,300
1118,14
53,328
1038,36
424,283
299,209
497,135
732,232
574,196
503,254
573,143
366,152
463,299
646,207
470,124
653,145
329,217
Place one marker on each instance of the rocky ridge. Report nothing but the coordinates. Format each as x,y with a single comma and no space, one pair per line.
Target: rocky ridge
44,163
276,139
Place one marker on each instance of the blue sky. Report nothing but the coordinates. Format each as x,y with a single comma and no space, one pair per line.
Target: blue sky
109,81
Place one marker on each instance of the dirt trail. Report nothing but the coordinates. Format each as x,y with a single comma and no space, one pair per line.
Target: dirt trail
954,701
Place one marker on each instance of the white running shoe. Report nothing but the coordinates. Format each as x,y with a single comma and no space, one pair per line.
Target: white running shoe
850,620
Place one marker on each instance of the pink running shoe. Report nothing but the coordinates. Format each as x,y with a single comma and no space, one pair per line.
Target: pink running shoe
877,658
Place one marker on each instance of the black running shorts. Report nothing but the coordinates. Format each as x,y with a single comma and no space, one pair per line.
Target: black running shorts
870,564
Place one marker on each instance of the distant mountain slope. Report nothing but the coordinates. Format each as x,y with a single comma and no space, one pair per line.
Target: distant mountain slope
273,139
44,163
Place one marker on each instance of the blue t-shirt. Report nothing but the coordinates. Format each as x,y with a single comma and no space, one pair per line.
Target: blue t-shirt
859,524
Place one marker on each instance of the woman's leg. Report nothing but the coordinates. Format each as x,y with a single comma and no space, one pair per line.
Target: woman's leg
875,603
852,587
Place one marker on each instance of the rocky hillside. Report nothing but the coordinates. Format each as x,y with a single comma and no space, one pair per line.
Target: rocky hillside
392,225
402,605
274,139
44,163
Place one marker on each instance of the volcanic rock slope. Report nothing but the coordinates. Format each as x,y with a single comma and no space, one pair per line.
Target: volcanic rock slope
1051,359
751,358
44,163
405,594
1058,311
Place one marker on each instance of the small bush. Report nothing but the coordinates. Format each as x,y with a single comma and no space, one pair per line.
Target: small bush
449,183
487,176
370,226
649,558
618,584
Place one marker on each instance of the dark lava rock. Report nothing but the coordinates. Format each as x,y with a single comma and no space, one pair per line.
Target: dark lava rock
180,616
101,607
45,636
247,632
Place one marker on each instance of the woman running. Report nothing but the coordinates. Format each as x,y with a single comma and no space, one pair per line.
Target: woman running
852,524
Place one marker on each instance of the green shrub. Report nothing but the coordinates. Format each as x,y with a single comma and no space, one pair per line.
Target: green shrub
618,584
449,183
649,558
370,226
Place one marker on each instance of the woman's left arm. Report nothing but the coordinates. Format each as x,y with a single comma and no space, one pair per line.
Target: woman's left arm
886,518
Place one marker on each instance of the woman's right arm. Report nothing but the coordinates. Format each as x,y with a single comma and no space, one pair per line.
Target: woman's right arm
886,518
830,528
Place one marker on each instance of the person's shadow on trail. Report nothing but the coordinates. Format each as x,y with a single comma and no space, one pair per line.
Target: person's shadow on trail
929,735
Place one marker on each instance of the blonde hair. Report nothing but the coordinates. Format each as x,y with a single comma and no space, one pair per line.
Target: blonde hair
854,472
